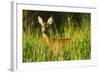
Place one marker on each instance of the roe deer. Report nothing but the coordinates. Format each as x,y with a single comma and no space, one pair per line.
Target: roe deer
54,44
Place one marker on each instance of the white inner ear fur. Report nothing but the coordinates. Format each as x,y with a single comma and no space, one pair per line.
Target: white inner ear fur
40,20
50,20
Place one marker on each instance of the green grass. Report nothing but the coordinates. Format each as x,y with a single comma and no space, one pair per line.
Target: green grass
35,48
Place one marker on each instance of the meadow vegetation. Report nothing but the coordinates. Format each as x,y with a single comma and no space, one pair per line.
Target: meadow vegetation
35,49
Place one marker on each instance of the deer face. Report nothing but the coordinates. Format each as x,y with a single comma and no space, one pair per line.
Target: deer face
44,25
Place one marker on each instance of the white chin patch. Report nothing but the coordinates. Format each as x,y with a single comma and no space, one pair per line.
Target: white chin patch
44,35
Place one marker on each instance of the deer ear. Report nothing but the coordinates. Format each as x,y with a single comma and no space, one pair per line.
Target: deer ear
50,20
40,20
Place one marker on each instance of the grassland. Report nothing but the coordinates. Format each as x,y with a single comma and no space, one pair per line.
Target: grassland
35,48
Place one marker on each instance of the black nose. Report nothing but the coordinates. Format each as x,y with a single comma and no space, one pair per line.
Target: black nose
46,30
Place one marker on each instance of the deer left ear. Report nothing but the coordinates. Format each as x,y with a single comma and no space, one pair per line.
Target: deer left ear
50,20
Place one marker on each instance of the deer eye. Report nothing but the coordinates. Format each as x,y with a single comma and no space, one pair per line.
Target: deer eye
41,26
47,25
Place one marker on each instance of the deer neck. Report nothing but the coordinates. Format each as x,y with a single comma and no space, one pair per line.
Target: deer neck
47,38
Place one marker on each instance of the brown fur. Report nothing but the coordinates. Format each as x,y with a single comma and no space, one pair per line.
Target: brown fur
57,44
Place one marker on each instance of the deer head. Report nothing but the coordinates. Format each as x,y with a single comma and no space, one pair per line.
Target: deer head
44,25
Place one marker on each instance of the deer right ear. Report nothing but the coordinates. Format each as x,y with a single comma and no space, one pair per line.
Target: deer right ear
40,20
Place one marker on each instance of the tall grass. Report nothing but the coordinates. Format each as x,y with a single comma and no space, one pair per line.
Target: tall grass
35,49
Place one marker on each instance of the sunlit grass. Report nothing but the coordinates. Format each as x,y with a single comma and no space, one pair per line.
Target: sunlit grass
35,48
